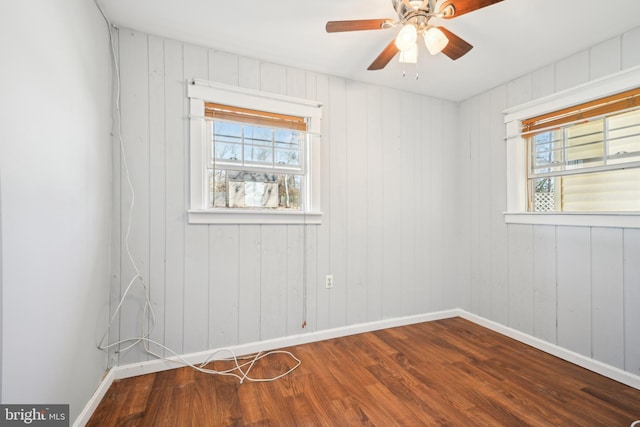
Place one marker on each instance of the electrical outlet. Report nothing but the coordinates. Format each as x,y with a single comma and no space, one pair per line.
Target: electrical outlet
328,281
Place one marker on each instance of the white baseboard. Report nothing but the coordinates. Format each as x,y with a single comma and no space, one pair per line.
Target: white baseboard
151,366
95,400
134,369
603,369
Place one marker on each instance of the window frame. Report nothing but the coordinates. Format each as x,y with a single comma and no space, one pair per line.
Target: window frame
517,154
199,92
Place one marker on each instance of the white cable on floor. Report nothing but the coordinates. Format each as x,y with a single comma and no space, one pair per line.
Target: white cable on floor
148,307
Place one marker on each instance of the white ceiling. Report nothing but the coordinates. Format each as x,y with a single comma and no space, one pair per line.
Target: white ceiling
510,38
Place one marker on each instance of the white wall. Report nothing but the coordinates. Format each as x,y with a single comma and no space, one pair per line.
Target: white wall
414,226
577,287
388,172
55,159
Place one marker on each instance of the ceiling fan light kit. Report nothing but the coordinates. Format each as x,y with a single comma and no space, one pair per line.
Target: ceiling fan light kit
407,37
435,40
414,16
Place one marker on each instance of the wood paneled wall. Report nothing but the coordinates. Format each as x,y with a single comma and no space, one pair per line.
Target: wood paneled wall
390,229
577,287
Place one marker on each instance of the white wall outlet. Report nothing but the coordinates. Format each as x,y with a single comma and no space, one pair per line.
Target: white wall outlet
328,281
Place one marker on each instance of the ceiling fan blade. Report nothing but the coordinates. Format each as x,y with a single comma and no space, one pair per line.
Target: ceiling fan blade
456,47
357,25
454,8
385,56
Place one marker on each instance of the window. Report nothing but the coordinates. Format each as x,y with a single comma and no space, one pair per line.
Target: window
573,157
254,157
586,157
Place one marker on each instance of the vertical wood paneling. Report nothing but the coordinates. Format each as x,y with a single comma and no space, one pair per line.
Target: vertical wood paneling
217,285
417,163
175,196
295,275
519,90
223,67
249,292
394,235
483,200
296,83
391,237
604,58
544,283
196,272
338,175
632,300
157,190
249,73
463,190
424,257
630,51
436,231
356,183
570,307
407,190
273,290
543,82
574,289
449,286
135,119
607,296
475,179
311,235
224,286
116,227
498,195
310,296
521,296
273,78
572,71
323,306
375,197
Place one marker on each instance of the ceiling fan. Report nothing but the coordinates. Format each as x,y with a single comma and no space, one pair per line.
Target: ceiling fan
414,16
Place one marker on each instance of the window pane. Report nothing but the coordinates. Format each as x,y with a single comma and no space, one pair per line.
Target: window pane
288,157
255,154
624,137
585,144
227,141
258,136
288,138
226,151
545,195
547,151
240,189
218,188
617,190
290,191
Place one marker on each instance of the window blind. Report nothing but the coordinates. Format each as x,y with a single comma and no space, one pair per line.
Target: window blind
246,115
589,110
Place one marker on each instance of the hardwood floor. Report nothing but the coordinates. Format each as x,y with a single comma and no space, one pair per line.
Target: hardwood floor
447,372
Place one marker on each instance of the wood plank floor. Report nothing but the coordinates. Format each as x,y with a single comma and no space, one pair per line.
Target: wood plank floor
447,372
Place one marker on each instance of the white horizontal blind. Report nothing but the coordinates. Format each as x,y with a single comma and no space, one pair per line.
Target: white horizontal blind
591,162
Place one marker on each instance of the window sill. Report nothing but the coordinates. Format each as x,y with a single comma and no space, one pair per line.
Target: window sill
581,219
239,216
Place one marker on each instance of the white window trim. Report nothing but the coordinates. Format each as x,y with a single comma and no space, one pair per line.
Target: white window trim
200,91
517,154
